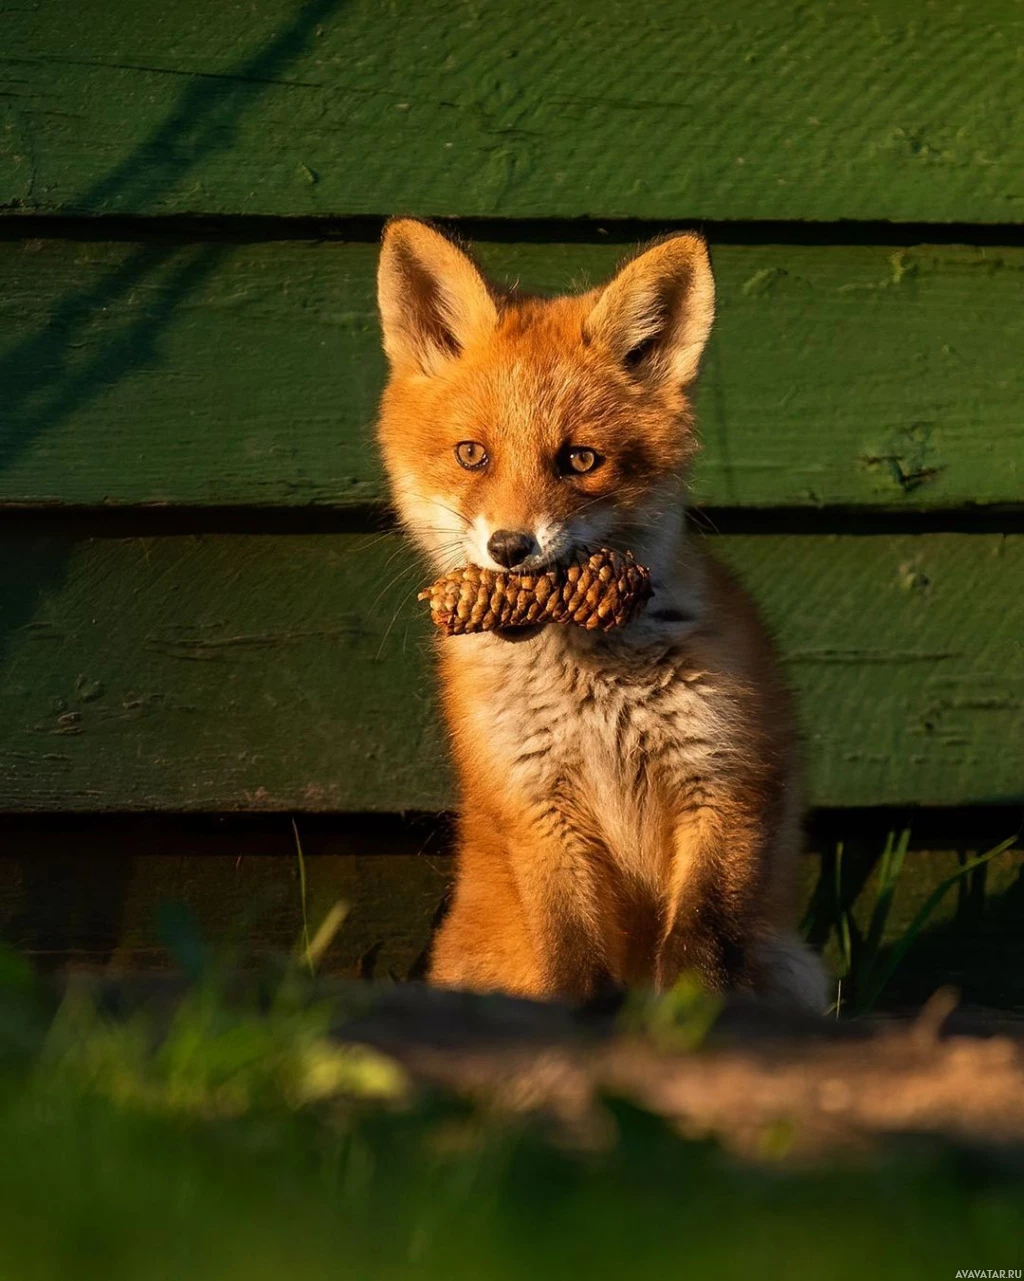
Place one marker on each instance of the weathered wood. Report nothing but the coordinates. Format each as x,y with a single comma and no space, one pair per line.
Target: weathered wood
88,892
741,109
216,373
291,672
107,915
91,895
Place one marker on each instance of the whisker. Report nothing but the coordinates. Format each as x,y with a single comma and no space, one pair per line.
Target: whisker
397,551
701,517
455,555
397,578
372,541
394,618
449,552
411,493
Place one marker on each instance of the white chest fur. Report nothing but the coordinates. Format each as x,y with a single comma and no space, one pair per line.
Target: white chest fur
620,729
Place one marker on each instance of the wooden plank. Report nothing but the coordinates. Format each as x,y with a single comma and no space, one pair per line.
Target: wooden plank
89,895
898,109
217,373
88,892
291,672
244,906
104,913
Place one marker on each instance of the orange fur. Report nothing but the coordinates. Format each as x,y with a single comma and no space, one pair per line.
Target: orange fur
629,803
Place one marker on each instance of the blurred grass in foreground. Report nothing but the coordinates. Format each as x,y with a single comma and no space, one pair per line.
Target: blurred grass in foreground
237,1140
91,1190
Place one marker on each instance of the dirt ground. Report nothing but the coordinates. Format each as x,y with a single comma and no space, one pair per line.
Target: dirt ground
765,1083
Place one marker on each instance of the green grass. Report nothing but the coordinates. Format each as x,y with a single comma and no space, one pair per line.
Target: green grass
866,959
235,1139
95,1190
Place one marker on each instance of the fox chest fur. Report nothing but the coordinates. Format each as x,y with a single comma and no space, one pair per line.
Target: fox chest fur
618,740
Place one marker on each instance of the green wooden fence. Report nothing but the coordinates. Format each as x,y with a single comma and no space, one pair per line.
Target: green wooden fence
192,614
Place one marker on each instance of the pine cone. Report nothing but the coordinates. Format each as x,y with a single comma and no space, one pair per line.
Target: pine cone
599,591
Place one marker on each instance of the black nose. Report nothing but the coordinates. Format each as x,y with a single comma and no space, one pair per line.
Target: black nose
509,547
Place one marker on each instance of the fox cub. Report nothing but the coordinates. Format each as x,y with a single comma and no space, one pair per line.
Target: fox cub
630,801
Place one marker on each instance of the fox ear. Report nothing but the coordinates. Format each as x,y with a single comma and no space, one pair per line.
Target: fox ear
431,295
656,314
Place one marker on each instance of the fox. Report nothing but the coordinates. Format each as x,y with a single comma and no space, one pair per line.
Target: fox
629,802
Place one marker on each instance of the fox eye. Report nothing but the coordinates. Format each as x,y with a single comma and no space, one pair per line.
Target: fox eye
578,460
471,455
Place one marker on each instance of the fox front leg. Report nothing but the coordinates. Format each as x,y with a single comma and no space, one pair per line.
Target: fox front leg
711,920
557,873
523,918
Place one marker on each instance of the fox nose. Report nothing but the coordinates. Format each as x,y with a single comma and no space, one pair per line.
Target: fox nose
510,547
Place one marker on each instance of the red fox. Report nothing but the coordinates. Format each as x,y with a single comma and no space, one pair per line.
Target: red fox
630,802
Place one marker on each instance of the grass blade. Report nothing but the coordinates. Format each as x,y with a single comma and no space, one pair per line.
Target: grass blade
842,916
906,941
888,879
325,934
889,871
305,944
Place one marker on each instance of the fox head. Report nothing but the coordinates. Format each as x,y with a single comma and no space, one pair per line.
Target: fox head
518,430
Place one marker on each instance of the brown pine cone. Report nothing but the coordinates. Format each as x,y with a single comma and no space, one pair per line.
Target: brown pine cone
598,591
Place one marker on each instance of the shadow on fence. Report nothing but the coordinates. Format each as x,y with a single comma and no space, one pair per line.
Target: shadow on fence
43,378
